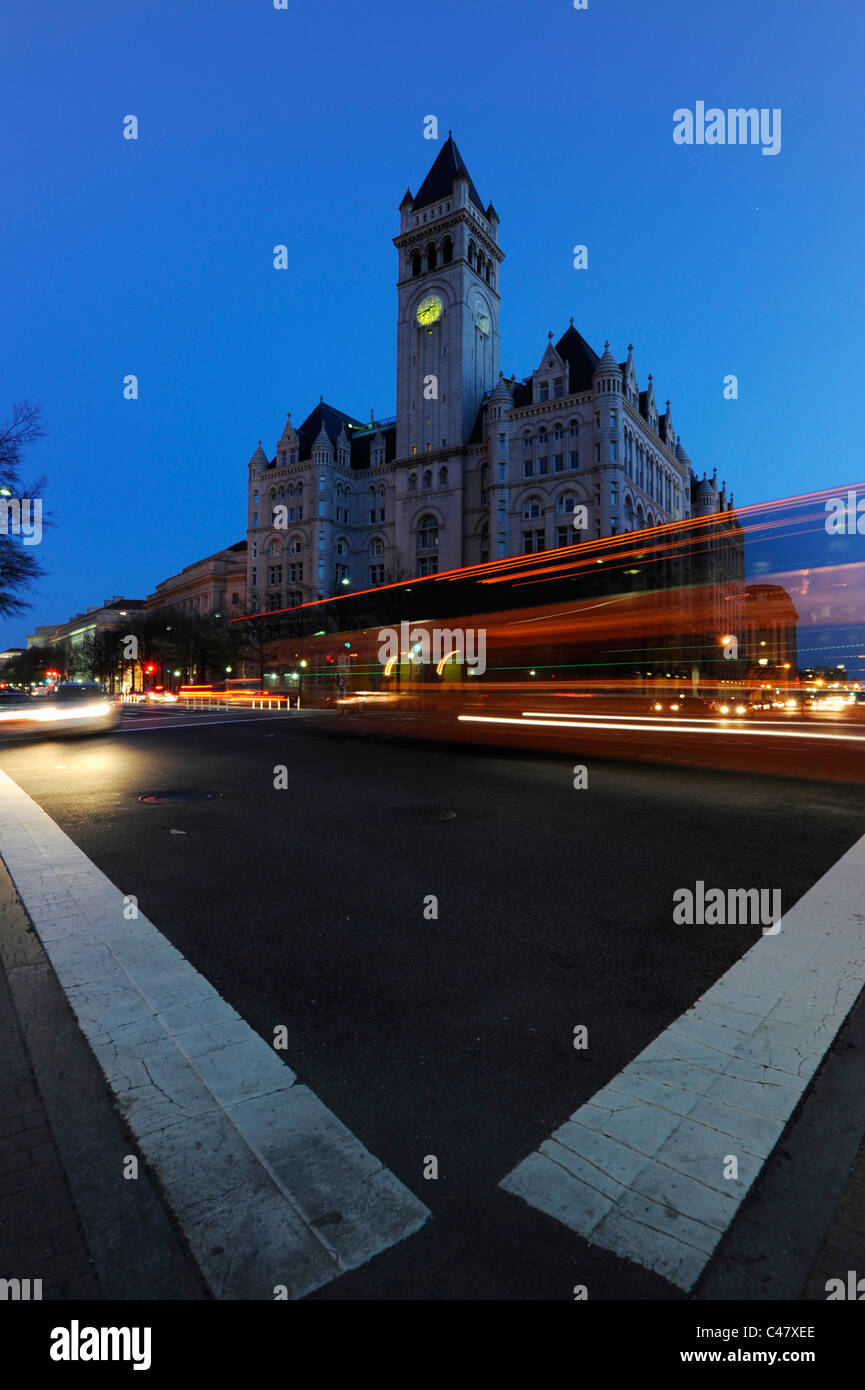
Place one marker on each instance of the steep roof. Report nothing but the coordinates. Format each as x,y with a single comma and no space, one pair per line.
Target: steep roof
324,417
581,359
361,446
448,165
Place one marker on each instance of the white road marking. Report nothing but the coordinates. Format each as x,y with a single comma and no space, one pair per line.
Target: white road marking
269,1187
639,1169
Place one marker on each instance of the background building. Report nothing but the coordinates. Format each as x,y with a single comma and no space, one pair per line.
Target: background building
474,466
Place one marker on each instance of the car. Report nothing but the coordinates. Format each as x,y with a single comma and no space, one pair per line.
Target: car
160,696
79,707
683,706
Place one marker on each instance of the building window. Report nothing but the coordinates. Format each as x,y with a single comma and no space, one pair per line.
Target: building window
528,468
574,429
376,546
295,573
532,541
613,420
412,482
527,442
376,574
502,472
566,503
485,544
614,450
614,494
341,573
543,465
427,477
427,564
544,393
557,387
502,544
255,518
253,576
597,453
532,508
274,574
321,542
485,480
443,477
558,463
565,535
427,533
502,444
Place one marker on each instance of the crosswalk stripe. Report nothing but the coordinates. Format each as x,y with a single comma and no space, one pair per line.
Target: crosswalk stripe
640,1168
269,1187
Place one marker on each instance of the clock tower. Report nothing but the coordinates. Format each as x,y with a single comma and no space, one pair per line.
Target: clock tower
448,329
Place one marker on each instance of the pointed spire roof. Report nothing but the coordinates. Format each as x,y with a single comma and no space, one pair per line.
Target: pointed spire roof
260,457
502,392
608,362
681,454
447,167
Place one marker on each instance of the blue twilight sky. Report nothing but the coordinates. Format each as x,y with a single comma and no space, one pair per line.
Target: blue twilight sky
304,126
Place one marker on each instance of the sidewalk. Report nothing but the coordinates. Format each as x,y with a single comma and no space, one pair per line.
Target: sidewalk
40,1230
67,1215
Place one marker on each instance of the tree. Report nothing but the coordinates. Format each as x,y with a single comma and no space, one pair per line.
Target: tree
19,568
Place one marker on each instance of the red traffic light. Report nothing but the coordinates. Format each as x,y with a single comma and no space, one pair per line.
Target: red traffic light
150,667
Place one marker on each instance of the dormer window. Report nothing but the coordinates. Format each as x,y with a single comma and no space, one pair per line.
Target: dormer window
544,391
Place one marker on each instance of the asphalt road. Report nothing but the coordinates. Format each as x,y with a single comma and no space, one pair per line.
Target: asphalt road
451,1036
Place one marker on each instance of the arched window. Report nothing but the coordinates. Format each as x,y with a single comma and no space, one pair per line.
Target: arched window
412,482
542,437
295,545
488,272
566,503
299,487
342,546
447,250
427,533
532,508
282,494
471,254
415,263
431,257
480,266
376,546
427,477
629,514
273,549
527,441
443,477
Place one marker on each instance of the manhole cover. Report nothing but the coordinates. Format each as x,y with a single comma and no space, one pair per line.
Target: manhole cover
153,797
430,816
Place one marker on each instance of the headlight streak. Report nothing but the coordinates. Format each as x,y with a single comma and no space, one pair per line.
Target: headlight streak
738,730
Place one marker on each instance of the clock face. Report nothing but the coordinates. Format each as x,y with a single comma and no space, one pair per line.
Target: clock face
429,309
482,318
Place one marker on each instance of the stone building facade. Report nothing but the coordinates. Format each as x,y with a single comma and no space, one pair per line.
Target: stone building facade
474,466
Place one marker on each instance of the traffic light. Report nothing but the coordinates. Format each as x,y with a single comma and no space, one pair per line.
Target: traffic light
150,668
